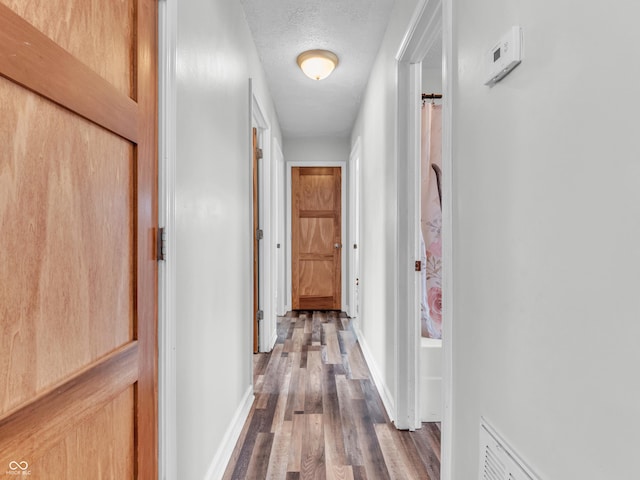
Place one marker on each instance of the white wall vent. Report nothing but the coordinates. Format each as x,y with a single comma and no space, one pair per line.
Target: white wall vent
497,460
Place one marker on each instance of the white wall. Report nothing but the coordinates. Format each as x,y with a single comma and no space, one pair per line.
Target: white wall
547,238
376,125
316,150
432,80
215,58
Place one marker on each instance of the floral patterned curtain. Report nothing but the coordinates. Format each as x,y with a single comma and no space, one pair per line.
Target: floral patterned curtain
431,221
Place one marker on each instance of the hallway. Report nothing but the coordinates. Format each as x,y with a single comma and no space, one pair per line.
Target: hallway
317,413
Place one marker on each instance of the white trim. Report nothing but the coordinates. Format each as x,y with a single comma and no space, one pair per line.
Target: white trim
446,441
354,227
343,227
378,379
223,455
268,326
279,191
423,31
167,369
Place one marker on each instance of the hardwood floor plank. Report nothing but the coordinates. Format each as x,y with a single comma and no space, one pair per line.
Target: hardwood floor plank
374,461
359,369
293,385
409,446
427,441
335,455
300,392
355,388
281,406
359,472
272,382
349,432
280,451
259,463
346,340
298,339
260,362
313,397
262,400
373,401
317,329
308,325
331,341
312,463
396,459
295,449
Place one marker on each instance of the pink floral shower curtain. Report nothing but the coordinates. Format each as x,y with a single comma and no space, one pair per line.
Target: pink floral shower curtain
431,221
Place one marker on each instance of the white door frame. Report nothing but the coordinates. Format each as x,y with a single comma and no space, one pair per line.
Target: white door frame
431,19
343,227
279,229
354,229
167,373
267,328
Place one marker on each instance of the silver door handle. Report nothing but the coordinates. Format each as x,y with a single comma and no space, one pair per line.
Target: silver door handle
337,245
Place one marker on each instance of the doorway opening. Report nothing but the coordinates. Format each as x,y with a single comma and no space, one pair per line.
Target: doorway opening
316,238
257,236
339,240
264,227
427,42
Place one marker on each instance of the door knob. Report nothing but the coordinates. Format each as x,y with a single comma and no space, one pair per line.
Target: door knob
337,245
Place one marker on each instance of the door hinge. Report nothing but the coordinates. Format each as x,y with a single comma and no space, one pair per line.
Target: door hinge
259,315
259,234
418,266
161,244
259,153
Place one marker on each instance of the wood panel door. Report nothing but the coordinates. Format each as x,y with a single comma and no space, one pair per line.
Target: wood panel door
78,217
316,238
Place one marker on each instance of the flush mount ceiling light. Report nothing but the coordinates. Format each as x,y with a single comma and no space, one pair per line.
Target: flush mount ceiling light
317,64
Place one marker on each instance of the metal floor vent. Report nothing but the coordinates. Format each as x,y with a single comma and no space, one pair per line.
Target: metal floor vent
497,460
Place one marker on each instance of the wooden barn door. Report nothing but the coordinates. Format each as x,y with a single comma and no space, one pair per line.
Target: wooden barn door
78,211
316,249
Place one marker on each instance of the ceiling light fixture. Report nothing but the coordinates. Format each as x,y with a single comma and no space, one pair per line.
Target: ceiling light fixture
317,64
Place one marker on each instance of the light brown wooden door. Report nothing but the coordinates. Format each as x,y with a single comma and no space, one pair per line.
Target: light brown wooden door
316,238
78,217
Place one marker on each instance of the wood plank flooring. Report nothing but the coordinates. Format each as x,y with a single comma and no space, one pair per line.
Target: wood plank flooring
318,415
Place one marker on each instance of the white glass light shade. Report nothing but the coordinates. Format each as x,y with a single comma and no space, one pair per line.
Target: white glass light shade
317,64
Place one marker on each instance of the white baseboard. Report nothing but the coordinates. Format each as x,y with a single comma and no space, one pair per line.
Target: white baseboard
381,385
221,459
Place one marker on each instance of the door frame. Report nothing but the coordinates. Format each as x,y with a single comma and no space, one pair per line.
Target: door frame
267,333
167,333
353,248
343,226
279,230
431,18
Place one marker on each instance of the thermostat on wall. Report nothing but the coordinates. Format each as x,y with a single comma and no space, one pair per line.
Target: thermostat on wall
504,56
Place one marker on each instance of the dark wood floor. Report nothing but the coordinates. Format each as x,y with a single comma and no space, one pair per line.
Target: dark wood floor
318,415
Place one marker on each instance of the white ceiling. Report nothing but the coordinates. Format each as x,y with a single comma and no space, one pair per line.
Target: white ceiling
282,29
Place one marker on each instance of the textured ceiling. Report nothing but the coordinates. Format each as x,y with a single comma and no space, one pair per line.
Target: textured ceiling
282,29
